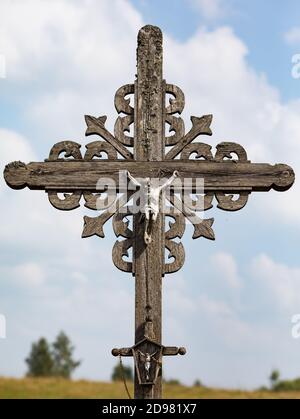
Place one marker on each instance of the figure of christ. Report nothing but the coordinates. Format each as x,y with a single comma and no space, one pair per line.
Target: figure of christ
150,190
147,359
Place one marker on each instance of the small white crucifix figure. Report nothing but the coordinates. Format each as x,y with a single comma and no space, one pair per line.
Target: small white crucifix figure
147,359
149,193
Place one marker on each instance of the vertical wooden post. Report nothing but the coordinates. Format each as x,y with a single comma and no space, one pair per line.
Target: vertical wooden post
148,146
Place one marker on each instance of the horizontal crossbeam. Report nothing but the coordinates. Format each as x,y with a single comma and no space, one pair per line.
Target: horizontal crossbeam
72,175
167,351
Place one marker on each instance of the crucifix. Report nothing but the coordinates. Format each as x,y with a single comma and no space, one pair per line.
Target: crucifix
158,168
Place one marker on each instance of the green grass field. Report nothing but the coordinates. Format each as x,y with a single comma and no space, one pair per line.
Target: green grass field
51,388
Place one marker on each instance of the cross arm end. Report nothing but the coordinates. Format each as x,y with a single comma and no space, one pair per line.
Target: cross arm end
285,178
15,175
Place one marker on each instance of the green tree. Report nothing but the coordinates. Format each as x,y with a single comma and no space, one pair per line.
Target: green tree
62,355
119,371
198,383
274,378
39,361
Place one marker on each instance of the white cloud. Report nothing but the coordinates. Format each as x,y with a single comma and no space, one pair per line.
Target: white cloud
281,281
292,36
247,109
226,267
210,9
29,274
65,30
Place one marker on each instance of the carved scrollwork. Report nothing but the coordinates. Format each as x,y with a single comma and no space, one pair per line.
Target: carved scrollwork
69,202
200,126
121,247
202,150
175,125
70,148
96,126
176,251
177,227
122,124
120,226
176,105
202,203
202,227
95,201
120,250
228,203
96,148
94,225
122,105
226,149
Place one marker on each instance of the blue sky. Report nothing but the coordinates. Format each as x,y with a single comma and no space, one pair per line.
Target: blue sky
232,59
261,25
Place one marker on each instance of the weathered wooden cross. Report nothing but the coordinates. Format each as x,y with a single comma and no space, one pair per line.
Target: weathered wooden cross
154,156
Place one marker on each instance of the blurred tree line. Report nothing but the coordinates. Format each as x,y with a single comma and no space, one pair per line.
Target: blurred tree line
48,360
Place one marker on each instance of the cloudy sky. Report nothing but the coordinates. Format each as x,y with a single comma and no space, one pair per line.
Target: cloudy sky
232,303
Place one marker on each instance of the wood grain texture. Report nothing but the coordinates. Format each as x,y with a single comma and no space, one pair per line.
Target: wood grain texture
149,127
226,176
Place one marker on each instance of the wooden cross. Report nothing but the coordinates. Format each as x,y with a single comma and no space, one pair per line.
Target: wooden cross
149,153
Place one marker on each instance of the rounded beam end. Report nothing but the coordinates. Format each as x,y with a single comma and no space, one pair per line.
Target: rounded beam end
182,351
15,174
286,177
115,352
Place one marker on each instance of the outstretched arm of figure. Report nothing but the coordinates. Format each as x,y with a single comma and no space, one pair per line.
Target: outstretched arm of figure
141,354
133,180
169,181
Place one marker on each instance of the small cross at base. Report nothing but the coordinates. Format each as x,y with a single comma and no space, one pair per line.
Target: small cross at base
147,355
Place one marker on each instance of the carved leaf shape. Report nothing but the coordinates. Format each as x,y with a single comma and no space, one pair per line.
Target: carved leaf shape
203,229
93,123
202,124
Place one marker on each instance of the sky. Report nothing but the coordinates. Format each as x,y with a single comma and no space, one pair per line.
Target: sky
232,304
